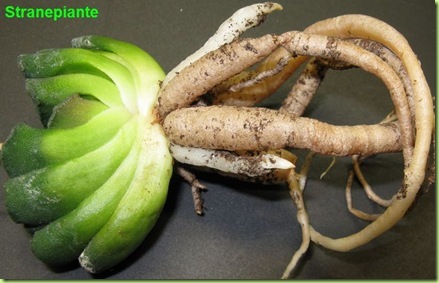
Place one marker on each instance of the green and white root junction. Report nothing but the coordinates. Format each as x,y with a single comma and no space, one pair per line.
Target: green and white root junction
95,179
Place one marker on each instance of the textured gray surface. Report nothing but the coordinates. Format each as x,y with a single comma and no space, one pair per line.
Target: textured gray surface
249,231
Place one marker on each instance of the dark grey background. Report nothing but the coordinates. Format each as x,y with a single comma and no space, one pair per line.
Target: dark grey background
249,231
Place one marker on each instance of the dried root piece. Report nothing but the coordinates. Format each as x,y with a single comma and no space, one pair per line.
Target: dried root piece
234,128
196,188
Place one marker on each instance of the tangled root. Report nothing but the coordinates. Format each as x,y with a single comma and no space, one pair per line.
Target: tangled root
221,78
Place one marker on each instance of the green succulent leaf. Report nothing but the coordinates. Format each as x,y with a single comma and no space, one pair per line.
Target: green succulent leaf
50,92
93,180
